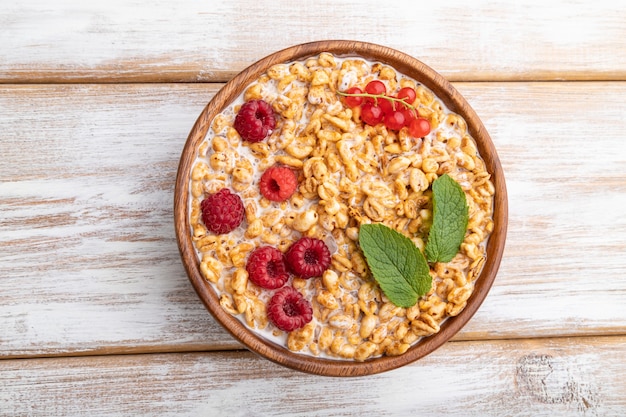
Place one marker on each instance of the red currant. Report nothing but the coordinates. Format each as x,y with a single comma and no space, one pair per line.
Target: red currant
394,120
387,106
375,87
352,101
419,127
371,114
407,94
409,115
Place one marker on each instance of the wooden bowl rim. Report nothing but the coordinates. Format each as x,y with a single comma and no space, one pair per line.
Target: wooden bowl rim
449,95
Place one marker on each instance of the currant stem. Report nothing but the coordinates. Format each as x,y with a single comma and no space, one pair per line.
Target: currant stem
376,97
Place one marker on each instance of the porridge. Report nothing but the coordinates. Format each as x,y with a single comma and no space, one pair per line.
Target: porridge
290,172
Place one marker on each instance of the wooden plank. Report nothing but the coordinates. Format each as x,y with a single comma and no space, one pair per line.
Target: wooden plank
565,167
88,257
88,253
140,41
561,377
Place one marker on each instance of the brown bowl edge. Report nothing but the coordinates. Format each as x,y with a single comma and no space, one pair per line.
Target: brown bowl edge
452,98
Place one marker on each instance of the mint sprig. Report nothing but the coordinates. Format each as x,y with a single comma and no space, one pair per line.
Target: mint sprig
396,263
398,266
450,218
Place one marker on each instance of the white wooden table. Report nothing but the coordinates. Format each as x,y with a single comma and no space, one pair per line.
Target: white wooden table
97,316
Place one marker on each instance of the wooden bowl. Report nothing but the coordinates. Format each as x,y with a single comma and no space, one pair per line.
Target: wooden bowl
451,97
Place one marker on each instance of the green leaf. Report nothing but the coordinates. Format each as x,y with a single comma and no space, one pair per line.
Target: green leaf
450,218
396,263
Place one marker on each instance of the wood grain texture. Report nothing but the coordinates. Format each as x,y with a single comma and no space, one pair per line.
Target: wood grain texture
560,377
88,257
89,265
192,41
88,254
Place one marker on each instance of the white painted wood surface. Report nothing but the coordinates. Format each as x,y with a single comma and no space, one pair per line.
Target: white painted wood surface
539,378
89,267
91,262
193,40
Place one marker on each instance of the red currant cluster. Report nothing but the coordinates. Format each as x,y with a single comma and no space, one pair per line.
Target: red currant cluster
395,112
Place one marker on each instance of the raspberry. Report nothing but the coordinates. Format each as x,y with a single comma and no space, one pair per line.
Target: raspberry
278,183
255,120
308,257
266,268
222,212
289,310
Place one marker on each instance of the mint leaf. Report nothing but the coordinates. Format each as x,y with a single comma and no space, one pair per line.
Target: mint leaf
450,218
396,263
